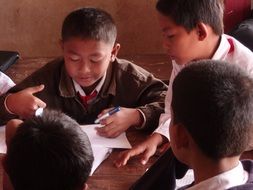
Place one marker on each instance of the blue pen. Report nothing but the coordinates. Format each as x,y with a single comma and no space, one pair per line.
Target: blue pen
112,111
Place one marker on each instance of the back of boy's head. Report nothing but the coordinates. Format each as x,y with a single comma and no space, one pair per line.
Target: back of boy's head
188,13
49,152
213,100
89,23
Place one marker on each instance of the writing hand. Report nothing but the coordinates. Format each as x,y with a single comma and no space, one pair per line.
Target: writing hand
118,122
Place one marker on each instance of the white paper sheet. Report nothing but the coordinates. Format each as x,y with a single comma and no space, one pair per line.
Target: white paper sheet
119,142
100,154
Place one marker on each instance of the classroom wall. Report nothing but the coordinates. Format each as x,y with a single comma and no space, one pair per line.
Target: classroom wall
32,27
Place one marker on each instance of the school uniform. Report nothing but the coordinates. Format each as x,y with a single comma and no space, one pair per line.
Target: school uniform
238,178
229,50
125,84
5,83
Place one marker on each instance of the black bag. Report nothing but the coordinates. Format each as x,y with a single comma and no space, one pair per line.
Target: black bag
162,174
244,32
7,58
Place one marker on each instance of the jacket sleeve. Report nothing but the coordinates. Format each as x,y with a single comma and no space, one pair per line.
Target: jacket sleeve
138,88
4,115
152,103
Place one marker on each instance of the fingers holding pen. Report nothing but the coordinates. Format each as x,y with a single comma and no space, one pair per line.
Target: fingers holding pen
106,113
110,128
117,121
108,118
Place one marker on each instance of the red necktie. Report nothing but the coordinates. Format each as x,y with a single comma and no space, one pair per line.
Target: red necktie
87,99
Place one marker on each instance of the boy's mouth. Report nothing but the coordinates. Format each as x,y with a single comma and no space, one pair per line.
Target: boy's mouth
84,79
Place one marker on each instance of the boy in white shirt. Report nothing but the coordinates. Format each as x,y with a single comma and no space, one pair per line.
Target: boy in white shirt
192,30
212,114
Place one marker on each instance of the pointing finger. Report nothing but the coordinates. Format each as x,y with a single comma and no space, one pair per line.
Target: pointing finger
35,89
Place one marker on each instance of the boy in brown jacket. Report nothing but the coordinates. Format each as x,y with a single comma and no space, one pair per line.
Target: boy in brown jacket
89,79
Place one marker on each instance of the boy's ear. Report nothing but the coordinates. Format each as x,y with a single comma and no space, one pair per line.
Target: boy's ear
202,30
115,51
182,138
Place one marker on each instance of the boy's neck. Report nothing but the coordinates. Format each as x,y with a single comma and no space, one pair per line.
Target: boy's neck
89,89
211,46
206,168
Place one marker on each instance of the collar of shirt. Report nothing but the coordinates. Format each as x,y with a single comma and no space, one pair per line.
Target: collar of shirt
234,177
79,89
223,48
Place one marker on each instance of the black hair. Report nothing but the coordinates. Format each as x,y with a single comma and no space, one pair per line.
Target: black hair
49,152
188,13
214,101
89,23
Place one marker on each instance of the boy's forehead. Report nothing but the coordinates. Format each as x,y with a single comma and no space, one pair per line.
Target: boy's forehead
86,43
166,22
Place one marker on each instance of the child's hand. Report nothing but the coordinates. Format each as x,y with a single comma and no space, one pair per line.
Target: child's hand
24,103
146,149
119,122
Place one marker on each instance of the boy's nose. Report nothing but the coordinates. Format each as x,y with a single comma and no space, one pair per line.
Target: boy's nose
166,45
85,67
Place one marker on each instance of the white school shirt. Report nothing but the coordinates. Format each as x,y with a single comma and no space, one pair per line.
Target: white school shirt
234,177
230,50
5,83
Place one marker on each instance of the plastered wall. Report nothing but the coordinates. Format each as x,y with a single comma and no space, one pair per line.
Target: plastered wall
32,27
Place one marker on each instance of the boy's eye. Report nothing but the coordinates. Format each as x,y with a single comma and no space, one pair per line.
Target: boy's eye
74,58
170,36
95,60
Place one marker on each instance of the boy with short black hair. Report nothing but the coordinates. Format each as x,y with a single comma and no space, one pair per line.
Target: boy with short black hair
90,79
47,152
212,106
192,30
